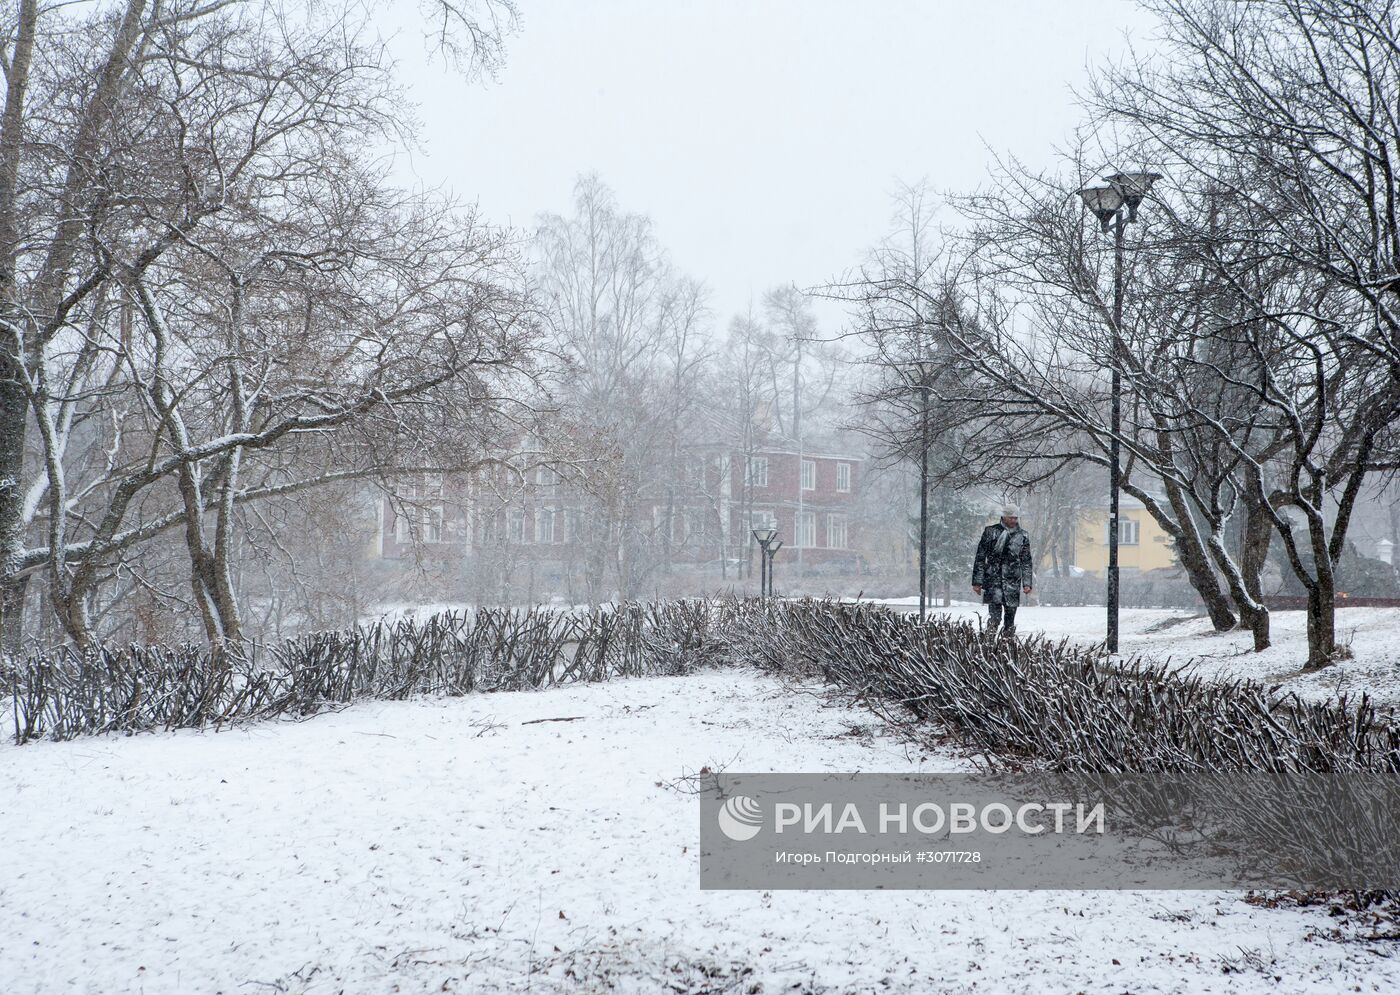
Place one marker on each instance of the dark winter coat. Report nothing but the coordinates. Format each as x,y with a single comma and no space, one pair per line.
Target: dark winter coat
1001,569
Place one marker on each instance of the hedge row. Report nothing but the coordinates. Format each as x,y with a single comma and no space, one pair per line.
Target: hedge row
72,693
1056,705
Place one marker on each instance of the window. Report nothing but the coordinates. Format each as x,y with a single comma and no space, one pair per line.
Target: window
547,478
809,475
843,476
422,524
756,471
515,525
807,529
544,525
836,531
663,523
1127,532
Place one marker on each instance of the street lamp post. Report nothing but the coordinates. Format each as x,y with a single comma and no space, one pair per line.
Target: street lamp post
764,538
921,365
771,552
1107,203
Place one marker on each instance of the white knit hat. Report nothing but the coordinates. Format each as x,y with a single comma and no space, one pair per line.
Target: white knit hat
1010,511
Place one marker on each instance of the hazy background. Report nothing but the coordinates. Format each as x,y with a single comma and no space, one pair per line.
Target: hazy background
763,137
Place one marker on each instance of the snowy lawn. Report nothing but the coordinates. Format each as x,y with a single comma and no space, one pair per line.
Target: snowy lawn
461,845
1187,640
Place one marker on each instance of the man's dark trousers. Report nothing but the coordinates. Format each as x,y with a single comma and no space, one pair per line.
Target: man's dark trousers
995,614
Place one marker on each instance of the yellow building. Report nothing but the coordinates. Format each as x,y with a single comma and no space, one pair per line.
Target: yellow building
1142,545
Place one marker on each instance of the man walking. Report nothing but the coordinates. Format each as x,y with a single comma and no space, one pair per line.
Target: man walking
1001,571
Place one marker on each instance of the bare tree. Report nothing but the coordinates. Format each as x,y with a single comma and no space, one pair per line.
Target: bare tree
168,238
742,381
685,318
897,310
1288,108
471,34
630,330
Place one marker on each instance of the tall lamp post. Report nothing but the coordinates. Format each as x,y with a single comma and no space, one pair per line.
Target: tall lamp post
1124,190
767,548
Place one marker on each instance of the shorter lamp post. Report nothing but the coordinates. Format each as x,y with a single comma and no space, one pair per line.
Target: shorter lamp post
771,552
764,538
924,374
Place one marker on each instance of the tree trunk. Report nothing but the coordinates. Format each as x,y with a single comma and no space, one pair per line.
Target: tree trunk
1190,548
1257,534
1191,553
1253,615
923,508
70,605
1254,550
225,601
14,404
1257,619
1322,623
12,596
222,595
14,409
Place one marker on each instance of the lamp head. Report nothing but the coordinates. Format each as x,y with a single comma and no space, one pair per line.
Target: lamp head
1133,187
764,536
1103,201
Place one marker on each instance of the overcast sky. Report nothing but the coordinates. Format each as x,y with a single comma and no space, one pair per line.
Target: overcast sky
763,136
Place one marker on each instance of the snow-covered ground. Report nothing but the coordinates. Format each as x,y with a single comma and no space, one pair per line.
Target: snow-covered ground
462,845
1186,639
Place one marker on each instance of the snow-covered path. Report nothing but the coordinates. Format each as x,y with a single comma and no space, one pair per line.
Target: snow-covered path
459,845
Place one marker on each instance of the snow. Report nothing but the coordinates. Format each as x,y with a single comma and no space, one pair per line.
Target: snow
459,845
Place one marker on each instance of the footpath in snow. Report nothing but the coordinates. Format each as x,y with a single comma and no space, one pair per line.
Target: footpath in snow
464,845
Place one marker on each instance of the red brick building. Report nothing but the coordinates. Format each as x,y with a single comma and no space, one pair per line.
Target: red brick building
700,518
808,496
